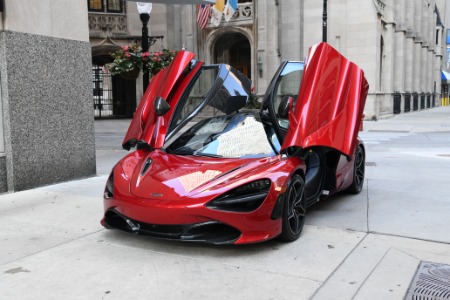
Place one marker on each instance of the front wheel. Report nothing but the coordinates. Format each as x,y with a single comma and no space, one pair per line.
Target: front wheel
294,210
358,171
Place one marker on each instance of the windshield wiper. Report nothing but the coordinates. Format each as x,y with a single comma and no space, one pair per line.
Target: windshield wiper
182,151
196,153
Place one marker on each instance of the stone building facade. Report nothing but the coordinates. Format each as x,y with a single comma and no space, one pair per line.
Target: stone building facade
46,118
398,43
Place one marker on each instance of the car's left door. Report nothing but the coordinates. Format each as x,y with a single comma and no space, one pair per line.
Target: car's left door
169,82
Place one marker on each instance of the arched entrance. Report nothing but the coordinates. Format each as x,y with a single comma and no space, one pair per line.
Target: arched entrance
234,48
113,96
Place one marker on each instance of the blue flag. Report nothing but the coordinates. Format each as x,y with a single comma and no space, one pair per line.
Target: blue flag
229,9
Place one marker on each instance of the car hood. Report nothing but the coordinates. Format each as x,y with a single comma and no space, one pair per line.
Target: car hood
160,175
330,102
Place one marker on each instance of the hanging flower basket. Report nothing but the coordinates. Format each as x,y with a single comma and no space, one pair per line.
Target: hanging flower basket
129,61
133,74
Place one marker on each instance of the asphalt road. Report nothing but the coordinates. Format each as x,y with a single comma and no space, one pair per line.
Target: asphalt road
366,246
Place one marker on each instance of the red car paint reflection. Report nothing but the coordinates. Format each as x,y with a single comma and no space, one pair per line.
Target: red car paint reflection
207,170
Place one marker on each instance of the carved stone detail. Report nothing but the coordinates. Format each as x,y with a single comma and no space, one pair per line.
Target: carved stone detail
108,22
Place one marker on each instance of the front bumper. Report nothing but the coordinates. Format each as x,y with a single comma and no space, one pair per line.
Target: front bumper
212,232
193,222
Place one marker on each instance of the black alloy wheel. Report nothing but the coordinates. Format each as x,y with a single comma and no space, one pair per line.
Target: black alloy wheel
294,210
358,171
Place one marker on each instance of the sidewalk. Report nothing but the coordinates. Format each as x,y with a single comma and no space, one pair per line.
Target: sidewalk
430,120
353,247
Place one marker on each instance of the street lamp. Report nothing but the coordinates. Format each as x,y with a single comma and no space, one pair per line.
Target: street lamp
324,21
144,13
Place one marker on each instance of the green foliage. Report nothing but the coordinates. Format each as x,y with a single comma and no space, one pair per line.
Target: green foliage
131,57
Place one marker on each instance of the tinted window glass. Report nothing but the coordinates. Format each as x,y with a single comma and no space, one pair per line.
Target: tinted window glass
288,85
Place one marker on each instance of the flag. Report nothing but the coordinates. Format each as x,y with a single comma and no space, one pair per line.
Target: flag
203,15
217,12
229,10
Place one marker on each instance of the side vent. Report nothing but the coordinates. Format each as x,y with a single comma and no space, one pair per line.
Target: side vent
146,165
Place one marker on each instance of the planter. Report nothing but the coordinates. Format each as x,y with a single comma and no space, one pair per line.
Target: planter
133,74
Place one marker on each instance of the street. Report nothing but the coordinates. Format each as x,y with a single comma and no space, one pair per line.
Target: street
365,246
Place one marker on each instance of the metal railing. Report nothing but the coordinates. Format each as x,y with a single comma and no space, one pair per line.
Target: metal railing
397,103
415,101
407,107
102,93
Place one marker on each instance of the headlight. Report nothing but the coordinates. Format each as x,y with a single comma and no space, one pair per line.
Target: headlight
245,198
109,188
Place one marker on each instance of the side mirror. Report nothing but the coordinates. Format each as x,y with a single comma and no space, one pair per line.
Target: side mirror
285,106
161,106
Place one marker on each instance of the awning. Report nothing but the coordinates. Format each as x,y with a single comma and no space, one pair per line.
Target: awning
445,76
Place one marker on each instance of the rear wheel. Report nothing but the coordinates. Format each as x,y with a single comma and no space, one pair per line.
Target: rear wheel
358,171
294,210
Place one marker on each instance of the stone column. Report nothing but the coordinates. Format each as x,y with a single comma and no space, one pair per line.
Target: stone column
45,71
388,60
409,64
425,70
267,42
3,173
399,64
417,17
417,58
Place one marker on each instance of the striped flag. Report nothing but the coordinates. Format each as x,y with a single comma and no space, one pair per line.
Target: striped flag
229,10
203,15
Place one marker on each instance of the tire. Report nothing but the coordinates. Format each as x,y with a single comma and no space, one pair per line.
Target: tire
358,171
294,210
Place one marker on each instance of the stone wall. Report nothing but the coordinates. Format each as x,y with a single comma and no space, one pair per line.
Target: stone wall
3,181
47,109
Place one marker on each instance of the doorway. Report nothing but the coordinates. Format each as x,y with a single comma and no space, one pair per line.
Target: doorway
234,49
113,96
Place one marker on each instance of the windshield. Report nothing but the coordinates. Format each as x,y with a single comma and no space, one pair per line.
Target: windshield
241,135
217,90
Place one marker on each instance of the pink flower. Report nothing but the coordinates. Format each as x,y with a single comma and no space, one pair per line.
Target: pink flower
146,54
126,48
127,55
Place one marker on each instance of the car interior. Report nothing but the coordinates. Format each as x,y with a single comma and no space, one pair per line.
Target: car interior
315,171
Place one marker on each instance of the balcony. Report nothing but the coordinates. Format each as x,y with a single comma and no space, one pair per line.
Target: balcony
242,16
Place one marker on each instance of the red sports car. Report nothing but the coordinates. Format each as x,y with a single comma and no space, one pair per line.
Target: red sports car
207,170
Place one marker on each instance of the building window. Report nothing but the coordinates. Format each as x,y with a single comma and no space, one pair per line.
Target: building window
95,5
114,6
110,6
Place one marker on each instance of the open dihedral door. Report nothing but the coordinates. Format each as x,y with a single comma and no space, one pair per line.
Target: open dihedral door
330,102
146,126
